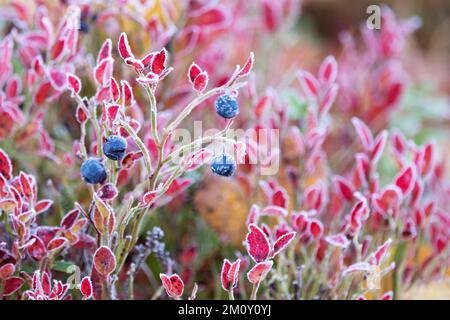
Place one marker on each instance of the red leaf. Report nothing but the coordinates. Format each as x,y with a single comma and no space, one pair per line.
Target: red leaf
173,284
81,114
105,51
124,47
73,83
12,285
428,158
247,68
127,93
70,218
309,84
104,261
282,242
378,147
37,250
378,256
259,271
230,274
387,296
200,82
43,92
147,60
405,180
56,243
338,240
58,79
328,99
315,227
107,192
274,211
344,187
26,186
115,91
112,110
193,72
364,134
159,61
86,288
328,70
390,198
46,283
7,271
280,198
58,49
103,71
5,165
258,244
253,215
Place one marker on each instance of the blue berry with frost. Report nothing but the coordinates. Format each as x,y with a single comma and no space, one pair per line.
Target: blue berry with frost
114,147
93,171
227,106
223,165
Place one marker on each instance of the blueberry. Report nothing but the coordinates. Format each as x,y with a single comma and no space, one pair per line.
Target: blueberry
93,171
114,147
223,165
227,106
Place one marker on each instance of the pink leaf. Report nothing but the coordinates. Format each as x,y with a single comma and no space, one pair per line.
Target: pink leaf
173,284
344,187
73,83
405,180
364,134
380,254
200,82
230,274
127,93
86,288
315,228
253,215
357,267
124,47
280,198
338,240
259,271
193,72
247,68
309,84
5,165
105,51
387,296
328,99
258,244
282,242
274,211
115,91
328,70
378,147
43,92
159,61
103,71
58,49
104,261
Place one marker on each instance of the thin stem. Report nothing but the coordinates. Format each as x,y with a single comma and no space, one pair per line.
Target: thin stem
255,290
141,146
